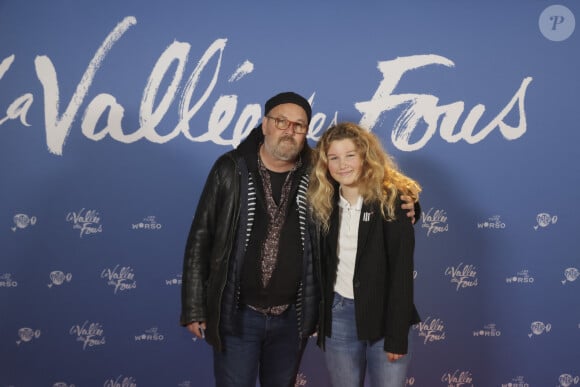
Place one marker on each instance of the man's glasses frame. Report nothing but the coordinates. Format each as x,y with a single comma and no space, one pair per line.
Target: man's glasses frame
284,123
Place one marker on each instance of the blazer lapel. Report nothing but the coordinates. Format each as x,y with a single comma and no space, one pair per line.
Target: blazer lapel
333,232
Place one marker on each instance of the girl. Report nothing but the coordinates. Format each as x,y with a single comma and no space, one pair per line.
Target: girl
366,250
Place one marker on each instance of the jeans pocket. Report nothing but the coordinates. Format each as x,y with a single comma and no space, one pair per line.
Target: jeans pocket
337,302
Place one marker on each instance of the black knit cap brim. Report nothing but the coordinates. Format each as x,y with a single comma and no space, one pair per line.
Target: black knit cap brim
288,97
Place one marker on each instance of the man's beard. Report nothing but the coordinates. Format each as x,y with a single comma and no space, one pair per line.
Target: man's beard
286,149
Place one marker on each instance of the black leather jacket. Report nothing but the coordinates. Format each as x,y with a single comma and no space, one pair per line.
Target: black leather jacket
209,289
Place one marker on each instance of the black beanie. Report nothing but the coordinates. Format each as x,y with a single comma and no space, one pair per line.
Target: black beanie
289,97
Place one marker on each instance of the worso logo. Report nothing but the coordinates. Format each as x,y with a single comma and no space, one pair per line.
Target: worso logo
151,334
493,223
176,281
489,330
6,281
521,277
516,382
148,223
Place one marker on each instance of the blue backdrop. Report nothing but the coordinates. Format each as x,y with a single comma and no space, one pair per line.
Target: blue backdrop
112,112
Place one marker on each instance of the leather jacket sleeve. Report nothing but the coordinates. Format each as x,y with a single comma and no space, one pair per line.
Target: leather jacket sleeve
208,234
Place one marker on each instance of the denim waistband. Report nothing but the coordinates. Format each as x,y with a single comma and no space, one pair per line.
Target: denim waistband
342,299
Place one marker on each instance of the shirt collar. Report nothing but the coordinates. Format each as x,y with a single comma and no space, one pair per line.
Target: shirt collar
343,203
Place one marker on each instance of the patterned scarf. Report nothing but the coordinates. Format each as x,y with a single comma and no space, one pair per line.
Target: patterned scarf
276,219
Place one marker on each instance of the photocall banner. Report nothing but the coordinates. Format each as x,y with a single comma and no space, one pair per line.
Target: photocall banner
112,113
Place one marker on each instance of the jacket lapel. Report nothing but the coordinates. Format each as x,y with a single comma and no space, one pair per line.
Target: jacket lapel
333,232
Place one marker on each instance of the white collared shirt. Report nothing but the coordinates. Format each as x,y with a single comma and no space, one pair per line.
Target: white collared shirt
349,216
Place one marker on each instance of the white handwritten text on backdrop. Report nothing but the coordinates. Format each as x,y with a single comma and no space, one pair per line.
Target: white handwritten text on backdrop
105,108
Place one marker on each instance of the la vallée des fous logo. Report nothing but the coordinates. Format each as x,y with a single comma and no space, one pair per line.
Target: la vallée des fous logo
458,378
464,276
434,221
90,334
87,222
431,329
120,278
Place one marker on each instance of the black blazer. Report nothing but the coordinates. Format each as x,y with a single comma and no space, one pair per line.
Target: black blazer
383,277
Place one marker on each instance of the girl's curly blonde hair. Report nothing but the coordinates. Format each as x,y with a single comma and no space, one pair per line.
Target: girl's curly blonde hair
381,180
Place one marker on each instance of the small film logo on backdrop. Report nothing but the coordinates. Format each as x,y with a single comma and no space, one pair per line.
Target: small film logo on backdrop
567,380
544,220
464,276
434,221
121,278
539,328
90,334
571,274
26,335
458,378
22,221
431,329
121,381
88,222
58,278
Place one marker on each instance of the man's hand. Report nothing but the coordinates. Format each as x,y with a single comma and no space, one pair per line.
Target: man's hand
393,356
197,328
408,205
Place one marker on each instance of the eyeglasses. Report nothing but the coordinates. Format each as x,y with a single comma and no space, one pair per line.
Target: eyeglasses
283,124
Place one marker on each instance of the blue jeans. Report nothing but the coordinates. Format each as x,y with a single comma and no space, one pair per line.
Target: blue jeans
262,345
348,358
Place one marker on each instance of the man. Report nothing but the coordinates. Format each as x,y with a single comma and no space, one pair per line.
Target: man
249,274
